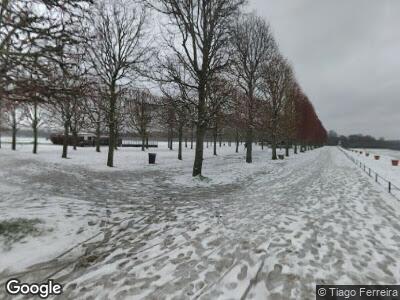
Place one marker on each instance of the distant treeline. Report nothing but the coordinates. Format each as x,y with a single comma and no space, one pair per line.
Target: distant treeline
361,141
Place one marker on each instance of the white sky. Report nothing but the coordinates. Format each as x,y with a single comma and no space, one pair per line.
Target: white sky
346,55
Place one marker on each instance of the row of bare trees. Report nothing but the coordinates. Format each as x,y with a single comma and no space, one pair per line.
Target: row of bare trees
211,68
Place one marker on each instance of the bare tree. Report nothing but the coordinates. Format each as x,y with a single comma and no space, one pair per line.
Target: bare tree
237,119
277,77
139,111
14,115
29,35
33,38
78,120
221,97
253,43
199,35
94,108
116,54
22,30
34,114
288,121
2,118
176,104
68,85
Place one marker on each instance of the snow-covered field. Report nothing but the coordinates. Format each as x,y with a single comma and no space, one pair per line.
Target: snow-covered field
24,140
383,166
269,230
385,153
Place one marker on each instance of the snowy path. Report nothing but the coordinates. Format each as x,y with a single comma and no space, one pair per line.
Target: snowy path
272,233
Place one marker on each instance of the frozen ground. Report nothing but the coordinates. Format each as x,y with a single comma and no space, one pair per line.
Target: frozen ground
270,230
23,140
383,166
385,152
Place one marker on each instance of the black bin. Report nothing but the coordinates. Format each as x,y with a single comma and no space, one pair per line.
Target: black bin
152,158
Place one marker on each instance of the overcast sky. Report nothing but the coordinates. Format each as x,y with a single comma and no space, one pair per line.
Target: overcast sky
346,55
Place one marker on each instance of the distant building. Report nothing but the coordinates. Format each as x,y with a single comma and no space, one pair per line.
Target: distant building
83,140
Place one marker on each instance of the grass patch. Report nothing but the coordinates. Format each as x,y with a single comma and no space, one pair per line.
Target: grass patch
14,230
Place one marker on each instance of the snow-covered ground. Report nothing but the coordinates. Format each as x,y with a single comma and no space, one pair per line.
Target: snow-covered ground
387,152
23,140
383,166
269,230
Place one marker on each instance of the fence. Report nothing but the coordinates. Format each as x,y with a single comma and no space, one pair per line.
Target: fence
392,188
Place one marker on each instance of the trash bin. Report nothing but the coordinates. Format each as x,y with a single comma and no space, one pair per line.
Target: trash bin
152,158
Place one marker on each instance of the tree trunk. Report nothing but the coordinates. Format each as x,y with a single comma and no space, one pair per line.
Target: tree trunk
111,128
200,130
75,138
65,140
295,148
274,129
171,145
249,145
14,129
237,141
215,140
191,137
287,148
116,139
35,128
186,141
147,142
180,134
98,136
143,141
262,144
35,140
198,158
170,138
0,123
249,132
273,146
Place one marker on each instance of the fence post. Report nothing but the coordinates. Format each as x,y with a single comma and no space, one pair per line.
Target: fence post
371,172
